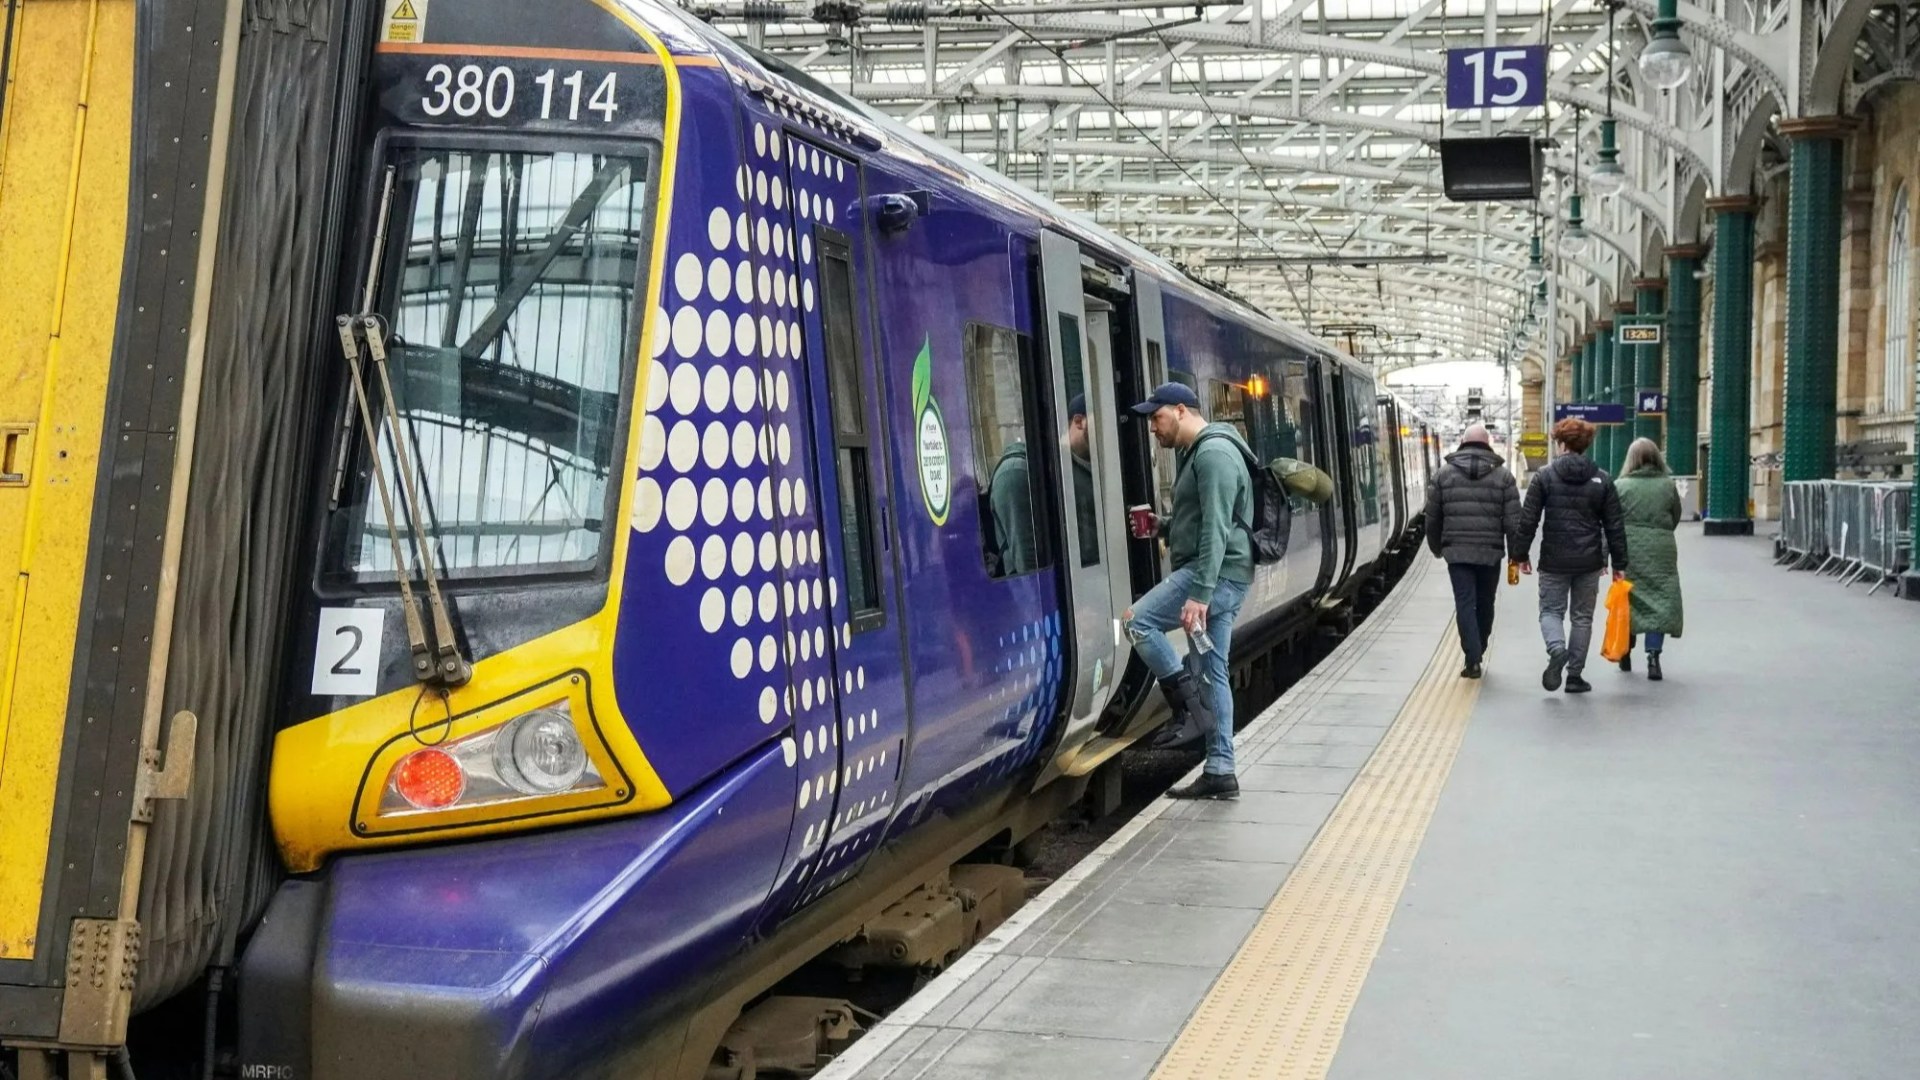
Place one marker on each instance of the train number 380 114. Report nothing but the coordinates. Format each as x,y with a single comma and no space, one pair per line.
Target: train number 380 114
468,90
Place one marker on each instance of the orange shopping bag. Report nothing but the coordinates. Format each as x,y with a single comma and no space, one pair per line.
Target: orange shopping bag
1619,637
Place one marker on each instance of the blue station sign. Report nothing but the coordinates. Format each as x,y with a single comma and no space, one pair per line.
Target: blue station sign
1497,77
1594,412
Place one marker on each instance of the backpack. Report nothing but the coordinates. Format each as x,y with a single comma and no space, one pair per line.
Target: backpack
1272,524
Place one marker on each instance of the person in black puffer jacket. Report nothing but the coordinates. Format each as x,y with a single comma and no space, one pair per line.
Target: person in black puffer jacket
1584,530
1473,511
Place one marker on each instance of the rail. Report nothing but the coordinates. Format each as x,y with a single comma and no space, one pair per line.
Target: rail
1849,529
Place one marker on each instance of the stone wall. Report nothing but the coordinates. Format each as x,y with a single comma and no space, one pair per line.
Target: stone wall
1767,439
1856,286
1892,144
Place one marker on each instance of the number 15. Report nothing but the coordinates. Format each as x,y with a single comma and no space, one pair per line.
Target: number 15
1501,70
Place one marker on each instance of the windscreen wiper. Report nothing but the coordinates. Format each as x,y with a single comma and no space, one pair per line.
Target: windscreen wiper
424,668
435,660
450,667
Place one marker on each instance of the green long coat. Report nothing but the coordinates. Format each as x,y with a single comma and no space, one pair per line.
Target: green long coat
1651,506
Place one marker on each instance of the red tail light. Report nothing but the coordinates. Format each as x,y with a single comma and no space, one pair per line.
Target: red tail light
429,779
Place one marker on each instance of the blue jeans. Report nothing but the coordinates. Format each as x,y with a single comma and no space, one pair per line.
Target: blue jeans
1158,612
1656,641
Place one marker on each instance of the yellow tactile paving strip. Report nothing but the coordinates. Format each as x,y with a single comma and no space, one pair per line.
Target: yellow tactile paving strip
1279,1009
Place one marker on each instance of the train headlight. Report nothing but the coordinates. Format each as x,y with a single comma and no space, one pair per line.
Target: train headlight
540,753
535,754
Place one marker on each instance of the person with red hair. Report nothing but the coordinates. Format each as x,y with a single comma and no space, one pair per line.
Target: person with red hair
1584,530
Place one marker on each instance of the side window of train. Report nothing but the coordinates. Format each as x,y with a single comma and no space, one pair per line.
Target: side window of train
1228,405
853,444
1297,437
999,403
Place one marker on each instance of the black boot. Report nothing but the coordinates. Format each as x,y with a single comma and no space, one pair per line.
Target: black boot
1191,715
1626,662
1556,663
1209,786
1653,667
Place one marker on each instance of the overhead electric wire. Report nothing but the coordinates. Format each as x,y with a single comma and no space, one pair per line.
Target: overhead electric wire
1119,114
1239,148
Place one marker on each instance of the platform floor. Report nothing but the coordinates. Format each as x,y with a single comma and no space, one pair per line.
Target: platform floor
1426,877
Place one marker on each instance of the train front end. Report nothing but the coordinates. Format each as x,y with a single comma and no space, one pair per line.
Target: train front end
521,804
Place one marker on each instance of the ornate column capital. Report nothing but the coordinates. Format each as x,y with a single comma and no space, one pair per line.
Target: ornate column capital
1819,127
1734,204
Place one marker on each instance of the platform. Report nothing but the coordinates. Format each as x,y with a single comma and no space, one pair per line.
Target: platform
1427,877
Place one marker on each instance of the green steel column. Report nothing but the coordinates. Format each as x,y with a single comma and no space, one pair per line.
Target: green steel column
1603,388
1649,296
1590,360
1813,293
1729,463
1683,360
1579,371
1622,386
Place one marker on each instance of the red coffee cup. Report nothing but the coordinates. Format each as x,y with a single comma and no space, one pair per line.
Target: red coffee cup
1142,521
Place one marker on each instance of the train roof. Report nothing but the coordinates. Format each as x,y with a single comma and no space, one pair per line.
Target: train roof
747,65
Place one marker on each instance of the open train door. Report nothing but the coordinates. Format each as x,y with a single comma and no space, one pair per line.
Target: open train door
1088,455
1151,331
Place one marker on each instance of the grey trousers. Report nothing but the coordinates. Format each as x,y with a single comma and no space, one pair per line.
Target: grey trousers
1555,592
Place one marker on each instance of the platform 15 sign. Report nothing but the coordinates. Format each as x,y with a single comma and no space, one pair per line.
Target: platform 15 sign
1497,77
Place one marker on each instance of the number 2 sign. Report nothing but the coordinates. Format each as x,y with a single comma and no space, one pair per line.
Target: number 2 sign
346,653
1497,77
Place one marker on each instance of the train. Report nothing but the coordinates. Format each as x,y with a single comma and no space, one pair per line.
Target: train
654,625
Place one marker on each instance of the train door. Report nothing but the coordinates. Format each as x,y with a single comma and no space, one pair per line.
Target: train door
1153,471
1339,464
1087,466
1395,449
850,749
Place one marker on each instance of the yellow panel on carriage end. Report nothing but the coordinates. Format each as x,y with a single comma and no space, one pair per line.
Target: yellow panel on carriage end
65,156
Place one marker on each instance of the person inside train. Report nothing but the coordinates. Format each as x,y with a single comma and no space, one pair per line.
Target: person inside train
1580,509
1010,500
1650,505
1077,439
1473,515
1211,550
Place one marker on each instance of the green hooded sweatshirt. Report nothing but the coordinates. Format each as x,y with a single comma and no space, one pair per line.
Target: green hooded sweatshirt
1212,510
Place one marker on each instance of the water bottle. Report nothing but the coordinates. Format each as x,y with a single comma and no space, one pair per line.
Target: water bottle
1202,641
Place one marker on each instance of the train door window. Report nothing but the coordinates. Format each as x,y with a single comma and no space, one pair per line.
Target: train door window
1076,420
999,398
1364,447
853,444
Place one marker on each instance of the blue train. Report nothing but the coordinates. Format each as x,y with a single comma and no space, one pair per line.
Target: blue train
708,553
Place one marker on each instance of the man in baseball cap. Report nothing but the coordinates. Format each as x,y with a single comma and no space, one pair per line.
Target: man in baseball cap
1212,556
1166,395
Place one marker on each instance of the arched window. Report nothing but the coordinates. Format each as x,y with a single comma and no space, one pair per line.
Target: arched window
1899,394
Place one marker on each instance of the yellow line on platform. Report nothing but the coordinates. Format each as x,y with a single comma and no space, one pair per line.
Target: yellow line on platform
1279,1009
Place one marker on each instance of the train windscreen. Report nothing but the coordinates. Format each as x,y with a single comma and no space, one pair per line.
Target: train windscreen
509,284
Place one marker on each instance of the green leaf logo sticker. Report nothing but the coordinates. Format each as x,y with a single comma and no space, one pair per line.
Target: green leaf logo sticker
936,477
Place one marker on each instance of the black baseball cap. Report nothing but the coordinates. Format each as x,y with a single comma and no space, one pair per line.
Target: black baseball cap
1171,393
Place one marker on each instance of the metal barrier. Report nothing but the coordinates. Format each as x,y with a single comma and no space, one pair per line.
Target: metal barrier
1803,523
1851,529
